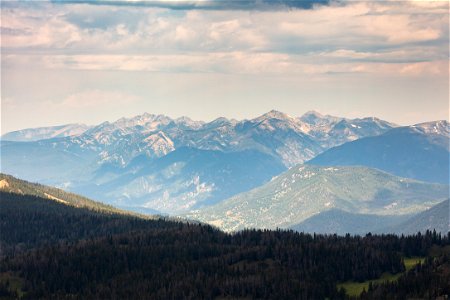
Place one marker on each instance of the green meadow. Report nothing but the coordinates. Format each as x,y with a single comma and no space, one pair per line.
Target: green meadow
353,288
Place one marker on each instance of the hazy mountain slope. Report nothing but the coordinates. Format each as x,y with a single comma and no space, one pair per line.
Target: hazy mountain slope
305,190
34,134
46,161
437,217
342,222
10,184
420,152
184,179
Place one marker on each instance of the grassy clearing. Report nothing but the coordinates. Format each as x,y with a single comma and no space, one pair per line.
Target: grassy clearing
15,283
412,262
353,288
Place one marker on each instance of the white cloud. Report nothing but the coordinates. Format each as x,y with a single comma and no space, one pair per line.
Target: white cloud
184,34
410,54
96,98
356,25
336,62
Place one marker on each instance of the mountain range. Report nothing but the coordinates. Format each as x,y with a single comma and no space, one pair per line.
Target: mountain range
337,221
292,140
141,162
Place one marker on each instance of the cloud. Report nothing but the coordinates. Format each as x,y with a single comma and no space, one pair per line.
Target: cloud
273,64
96,98
406,55
355,26
206,4
339,38
361,25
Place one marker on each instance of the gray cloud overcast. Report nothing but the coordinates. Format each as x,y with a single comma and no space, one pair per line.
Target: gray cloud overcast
208,4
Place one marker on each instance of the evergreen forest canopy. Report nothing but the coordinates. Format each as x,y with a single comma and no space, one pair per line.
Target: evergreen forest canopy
52,250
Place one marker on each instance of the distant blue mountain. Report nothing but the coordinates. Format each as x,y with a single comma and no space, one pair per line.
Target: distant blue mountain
342,222
184,179
420,152
436,218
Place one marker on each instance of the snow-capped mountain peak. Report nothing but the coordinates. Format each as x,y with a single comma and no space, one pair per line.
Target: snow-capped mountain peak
441,127
219,122
187,122
147,120
315,118
313,114
158,144
274,114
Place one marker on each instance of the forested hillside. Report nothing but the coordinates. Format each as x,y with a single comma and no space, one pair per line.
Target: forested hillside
52,250
430,280
28,222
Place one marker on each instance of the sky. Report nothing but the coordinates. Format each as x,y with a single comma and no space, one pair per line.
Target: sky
93,61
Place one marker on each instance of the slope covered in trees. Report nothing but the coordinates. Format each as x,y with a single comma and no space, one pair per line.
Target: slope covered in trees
28,222
430,280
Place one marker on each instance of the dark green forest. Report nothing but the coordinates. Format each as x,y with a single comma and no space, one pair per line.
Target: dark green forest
430,280
50,250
